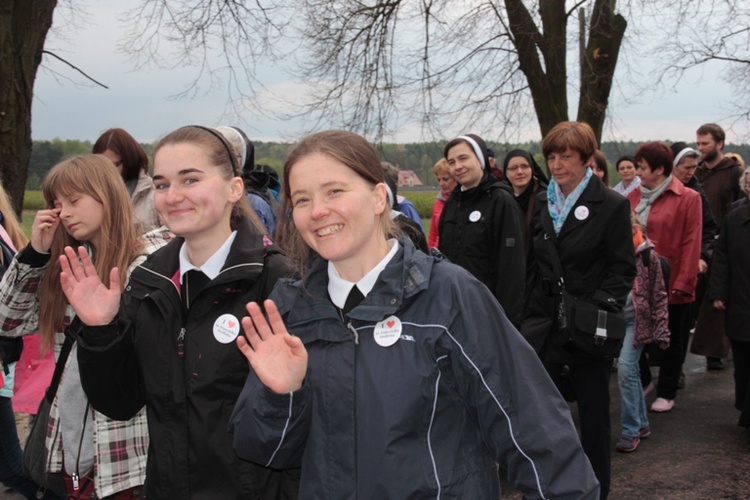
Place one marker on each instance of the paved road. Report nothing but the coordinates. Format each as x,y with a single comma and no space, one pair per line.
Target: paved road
695,452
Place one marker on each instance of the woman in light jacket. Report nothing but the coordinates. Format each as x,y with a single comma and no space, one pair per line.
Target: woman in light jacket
131,162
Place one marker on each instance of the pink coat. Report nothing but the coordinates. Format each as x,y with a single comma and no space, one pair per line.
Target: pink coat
33,375
33,371
674,225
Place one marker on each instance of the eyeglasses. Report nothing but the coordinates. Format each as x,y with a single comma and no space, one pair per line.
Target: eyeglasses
515,168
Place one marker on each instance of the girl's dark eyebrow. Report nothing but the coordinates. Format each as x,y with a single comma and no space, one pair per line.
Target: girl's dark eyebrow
185,171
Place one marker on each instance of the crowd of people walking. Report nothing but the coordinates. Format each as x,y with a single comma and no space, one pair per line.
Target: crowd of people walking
218,330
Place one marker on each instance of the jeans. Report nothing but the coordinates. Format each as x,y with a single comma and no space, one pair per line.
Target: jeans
633,406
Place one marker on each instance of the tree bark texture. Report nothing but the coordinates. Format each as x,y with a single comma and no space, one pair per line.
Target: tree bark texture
23,29
598,67
542,59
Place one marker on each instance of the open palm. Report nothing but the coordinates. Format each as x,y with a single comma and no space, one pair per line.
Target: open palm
278,358
94,303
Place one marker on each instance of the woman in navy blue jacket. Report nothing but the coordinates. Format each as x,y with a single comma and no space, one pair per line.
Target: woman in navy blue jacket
418,388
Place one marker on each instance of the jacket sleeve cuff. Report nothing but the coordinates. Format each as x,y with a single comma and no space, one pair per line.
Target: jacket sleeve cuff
683,287
99,338
279,403
32,258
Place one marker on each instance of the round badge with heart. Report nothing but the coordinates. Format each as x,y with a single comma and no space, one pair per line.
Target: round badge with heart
226,328
388,331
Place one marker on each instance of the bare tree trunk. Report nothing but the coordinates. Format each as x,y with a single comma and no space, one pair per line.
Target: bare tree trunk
547,79
23,28
598,67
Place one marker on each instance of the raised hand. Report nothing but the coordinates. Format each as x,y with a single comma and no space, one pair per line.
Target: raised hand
278,359
43,229
94,303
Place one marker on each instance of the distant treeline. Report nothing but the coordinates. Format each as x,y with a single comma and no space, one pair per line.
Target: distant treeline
419,157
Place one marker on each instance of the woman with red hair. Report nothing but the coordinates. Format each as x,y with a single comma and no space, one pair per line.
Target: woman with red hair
673,218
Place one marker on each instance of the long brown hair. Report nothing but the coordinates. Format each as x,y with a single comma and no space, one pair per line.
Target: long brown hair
133,156
218,151
346,148
94,176
10,221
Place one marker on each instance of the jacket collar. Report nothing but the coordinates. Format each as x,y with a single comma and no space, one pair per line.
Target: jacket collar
590,200
407,274
676,186
245,257
724,164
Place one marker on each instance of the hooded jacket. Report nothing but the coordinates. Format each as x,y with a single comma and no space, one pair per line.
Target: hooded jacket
481,230
722,187
709,231
427,417
650,298
136,361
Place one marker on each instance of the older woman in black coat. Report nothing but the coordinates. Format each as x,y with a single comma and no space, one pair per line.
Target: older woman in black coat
729,288
588,226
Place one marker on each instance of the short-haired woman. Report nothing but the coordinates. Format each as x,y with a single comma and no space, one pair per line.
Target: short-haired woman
587,227
673,217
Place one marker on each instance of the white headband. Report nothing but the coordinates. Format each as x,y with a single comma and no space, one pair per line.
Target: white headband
476,148
391,198
239,141
682,154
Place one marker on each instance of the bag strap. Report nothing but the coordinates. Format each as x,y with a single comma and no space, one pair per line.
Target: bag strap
59,367
556,265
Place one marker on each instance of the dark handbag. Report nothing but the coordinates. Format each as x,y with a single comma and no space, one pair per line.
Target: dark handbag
588,329
35,454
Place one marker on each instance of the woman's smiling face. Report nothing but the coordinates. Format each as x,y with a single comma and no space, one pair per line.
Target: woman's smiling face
337,212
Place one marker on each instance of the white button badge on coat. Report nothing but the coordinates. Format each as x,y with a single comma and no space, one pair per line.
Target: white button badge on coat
582,213
387,332
226,328
475,216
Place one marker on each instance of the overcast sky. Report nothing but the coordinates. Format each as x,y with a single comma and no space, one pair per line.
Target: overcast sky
139,101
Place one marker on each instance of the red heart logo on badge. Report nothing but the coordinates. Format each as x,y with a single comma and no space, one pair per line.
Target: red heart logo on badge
231,324
390,323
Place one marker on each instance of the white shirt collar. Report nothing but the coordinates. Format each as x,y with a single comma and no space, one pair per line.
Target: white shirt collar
339,288
212,267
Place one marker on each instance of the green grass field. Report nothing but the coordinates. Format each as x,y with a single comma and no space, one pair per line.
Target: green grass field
32,201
